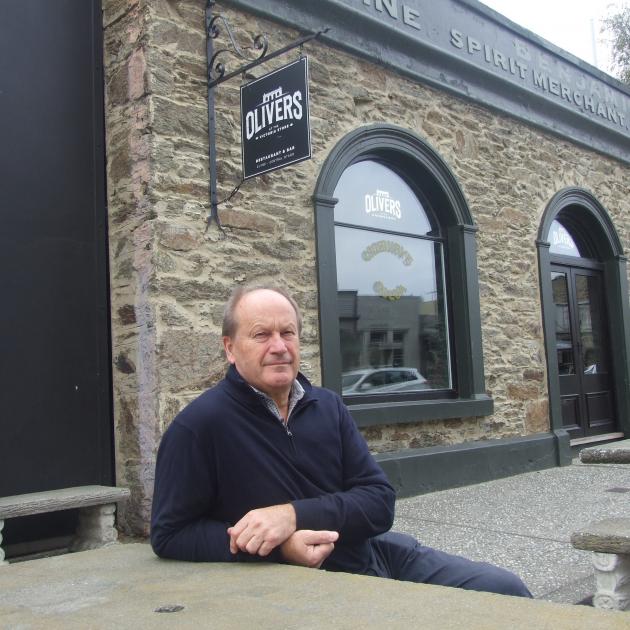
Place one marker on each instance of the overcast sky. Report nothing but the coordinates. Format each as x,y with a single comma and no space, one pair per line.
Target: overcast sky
569,24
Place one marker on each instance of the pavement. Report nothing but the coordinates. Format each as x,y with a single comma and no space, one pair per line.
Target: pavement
524,523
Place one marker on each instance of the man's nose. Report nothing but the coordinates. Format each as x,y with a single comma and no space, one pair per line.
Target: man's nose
277,344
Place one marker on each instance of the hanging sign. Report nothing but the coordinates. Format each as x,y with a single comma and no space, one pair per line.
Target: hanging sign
275,129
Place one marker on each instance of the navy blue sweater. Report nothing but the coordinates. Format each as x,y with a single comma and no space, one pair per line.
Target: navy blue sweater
226,454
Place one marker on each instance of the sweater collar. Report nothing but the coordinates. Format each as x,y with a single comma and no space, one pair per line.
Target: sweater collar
295,395
234,378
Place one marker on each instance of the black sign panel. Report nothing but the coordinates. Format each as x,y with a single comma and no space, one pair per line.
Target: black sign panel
275,129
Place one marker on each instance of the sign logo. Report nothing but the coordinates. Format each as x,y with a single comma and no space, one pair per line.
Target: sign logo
275,130
380,204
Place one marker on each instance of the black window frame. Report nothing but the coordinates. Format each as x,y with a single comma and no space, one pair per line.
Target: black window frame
429,176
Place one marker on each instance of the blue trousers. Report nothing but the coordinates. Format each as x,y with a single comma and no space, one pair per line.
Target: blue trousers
402,557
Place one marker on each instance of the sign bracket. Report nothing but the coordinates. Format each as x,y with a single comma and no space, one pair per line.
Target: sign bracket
217,75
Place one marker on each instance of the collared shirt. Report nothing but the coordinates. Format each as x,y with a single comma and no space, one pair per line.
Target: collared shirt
295,395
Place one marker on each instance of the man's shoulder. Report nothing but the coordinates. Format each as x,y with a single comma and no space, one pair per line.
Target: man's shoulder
326,400
315,391
324,394
205,408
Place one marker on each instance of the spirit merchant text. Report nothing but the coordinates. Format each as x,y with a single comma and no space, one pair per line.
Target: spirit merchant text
591,101
522,62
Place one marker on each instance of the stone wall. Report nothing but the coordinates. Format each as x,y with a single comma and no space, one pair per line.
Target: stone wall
170,275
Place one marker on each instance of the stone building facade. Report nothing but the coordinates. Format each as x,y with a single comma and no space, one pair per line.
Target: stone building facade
171,271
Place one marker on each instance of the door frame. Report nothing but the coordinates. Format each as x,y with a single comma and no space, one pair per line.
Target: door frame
593,217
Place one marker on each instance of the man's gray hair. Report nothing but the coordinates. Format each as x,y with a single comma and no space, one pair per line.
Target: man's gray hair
229,312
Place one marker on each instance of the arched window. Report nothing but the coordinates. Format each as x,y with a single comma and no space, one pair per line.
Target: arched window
399,309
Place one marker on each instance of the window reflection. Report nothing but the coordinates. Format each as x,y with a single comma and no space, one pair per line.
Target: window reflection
373,196
561,242
564,338
590,301
583,294
391,297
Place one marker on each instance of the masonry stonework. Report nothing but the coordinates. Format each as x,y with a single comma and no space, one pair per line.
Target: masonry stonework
171,274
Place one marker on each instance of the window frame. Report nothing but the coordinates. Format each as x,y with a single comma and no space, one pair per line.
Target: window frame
425,171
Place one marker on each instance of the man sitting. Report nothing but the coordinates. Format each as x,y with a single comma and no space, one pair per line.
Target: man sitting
266,466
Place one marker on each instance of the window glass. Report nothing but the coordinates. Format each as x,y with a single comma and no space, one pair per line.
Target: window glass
564,336
592,327
393,322
561,241
373,196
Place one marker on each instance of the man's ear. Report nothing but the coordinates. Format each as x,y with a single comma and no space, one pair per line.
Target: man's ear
227,346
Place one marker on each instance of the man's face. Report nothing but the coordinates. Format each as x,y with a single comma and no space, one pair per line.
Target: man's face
266,347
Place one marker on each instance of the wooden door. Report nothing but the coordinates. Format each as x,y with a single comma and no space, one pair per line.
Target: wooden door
583,351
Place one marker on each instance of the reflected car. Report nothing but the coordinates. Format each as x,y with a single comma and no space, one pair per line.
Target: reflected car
385,380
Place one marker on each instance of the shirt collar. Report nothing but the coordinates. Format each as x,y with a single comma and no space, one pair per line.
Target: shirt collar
295,395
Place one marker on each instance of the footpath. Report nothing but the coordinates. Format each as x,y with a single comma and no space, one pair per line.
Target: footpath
524,523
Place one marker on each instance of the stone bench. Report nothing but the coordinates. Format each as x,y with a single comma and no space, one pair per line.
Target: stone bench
96,504
126,587
611,453
609,540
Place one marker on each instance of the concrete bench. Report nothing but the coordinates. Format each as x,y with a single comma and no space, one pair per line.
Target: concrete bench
96,504
609,540
127,588
611,453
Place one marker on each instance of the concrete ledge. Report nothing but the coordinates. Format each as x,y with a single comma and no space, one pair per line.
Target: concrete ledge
609,540
609,536
123,586
611,453
56,500
96,505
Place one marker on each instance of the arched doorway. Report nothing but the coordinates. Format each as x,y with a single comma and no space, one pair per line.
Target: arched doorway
585,307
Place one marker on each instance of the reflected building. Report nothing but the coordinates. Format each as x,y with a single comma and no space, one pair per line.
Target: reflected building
405,332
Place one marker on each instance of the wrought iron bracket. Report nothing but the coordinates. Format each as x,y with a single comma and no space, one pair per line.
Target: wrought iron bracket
217,74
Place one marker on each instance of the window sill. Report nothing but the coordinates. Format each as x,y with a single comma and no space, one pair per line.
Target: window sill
371,414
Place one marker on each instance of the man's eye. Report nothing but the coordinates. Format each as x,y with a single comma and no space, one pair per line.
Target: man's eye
260,335
288,334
